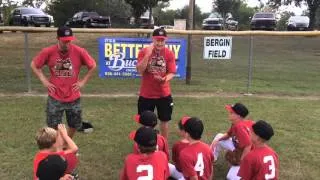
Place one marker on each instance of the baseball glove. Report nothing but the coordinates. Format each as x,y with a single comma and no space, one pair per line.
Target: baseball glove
233,157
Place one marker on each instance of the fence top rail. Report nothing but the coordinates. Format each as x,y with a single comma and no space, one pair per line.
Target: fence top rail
170,31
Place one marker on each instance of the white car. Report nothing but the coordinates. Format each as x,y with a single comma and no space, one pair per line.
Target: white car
298,23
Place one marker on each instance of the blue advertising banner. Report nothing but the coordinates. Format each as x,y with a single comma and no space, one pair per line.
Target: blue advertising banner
118,56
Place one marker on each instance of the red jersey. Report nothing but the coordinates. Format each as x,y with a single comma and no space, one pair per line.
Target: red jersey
196,160
71,159
146,166
162,145
176,150
160,64
64,69
259,164
240,133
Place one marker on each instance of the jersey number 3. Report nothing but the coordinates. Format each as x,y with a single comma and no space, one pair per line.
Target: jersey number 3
269,160
147,168
199,167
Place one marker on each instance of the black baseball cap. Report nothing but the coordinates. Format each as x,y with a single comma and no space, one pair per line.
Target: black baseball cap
263,129
159,33
147,118
238,108
52,167
194,127
64,33
144,136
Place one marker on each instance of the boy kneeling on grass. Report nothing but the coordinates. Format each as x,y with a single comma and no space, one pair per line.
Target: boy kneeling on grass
51,142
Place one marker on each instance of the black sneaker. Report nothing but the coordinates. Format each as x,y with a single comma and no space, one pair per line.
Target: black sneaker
86,127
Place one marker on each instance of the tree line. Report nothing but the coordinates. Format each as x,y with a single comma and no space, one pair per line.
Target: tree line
121,10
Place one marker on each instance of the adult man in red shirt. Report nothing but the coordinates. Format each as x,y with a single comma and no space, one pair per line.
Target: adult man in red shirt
196,159
236,140
156,64
261,162
149,163
64,61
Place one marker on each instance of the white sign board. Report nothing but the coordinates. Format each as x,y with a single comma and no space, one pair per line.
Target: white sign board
217,47
180,24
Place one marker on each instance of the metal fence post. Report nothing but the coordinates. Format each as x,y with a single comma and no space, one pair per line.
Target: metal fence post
26,61
250,65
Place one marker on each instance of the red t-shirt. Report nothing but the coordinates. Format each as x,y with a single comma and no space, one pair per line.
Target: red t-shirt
176,150
160,64
71,159
64,69
259,164
154,166
162,145
196,160
240,133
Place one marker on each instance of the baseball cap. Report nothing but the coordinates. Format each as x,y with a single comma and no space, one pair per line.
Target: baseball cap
159,33
147,118
51,168
263,129
238,108
144,136
64,33
194,127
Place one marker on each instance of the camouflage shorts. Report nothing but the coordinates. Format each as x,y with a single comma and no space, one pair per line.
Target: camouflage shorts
55,111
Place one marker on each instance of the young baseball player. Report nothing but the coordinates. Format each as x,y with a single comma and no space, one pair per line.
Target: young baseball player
237,139
196,159
175,170
149,119
53,167
261,162
149,163
51,141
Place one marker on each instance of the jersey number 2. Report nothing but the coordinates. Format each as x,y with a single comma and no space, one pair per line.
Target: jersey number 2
199,167
269,160
147,168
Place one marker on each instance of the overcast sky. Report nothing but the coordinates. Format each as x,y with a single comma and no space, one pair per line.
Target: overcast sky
206,5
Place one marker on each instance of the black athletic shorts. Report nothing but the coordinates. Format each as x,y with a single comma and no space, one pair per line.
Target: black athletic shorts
164,106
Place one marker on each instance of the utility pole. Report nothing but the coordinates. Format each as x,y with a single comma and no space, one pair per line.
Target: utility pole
190,27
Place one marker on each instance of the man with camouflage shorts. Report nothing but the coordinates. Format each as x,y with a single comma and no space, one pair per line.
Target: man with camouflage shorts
64,61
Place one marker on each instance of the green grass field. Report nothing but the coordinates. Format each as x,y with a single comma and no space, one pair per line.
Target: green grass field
283,67
295,122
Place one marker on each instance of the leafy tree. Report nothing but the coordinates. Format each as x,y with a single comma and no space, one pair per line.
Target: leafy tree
118,10
34,3
313,5
163,17
282,23
141,6
7,6
61,10
183,14
243,15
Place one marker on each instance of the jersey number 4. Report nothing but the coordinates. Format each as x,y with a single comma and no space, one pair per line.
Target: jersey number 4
199,167
269,160
147,168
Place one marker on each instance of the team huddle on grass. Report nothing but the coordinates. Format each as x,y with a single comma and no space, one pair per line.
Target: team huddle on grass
244,144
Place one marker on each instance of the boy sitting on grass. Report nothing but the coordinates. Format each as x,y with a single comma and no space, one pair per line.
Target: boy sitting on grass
51,141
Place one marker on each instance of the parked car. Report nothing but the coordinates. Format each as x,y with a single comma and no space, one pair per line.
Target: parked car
298,23
213,22
263,21
232,24
89,20
25,16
